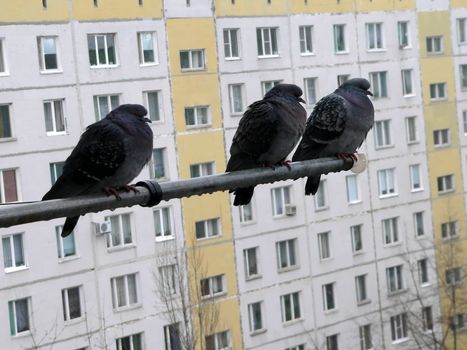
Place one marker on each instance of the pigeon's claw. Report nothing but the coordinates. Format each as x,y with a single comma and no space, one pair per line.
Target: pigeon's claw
345,156
287,163
112,191
128,188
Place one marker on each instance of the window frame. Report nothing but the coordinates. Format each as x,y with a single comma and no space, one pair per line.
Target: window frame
329,297
461,30
463,76
6,124
399,329
3,58
407,79
431,41
366,340
12,312
197,117
290,259
416,185
375,34
437,88
217,343
353,233
254,309
107,63
442,180
423,274
352,189
379,83
121,234
383,138
17,193
131,337
387,178
342,33
204,169
311,90
408,127
208,225
162,236
248,264
67,317
295,312
265,83
230,44
417,226
160,111
271,45
15,266
395,279
305,34
141,50
126,285
232,102
41,50
361,289
449,230
191,53
320,198
210,284
403,43
53,110
441,137
324,245
244,218
390,230
61,255
111,106
284,192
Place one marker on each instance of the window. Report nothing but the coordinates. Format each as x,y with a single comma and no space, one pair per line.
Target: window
290,306
255,317
438,91
56,169
201,169
360,287
54,117
280,198
422,265
8,186
124,291
147,48
339,38
390,230
197,116
411,129
445,184
379,84
246,213
407,82
172,337
5,122
441,137
65,245
158,163
427,317
394,278
399,327
286,256
306,42
462,30
168,279
48,56
192,59
121,231
464,120
356,236
3,66
250,257
13,252
342,78
365,337
104,104
310,90
332,342
419,225
320,196
102,50
415,178
163,224
386,182
463,74
351,184
266,39
434,44
218,341
231,47
131,342
268,85
207,228
213,286
458,321
236,98
71,303
403,34
19,316
324,245
153,104
449,230
329,302
374,39
383,133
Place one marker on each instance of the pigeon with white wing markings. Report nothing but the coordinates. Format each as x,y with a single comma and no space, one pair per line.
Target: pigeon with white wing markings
109,154
267,133
337,126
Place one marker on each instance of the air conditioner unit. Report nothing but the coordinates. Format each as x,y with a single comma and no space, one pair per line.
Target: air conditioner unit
290,209
102,227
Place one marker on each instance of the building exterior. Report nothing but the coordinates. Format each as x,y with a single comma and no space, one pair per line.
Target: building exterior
372,261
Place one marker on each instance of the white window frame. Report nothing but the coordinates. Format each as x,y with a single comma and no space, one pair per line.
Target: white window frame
268,85
191,60
203,169
438,91
332,342
382,133
254,309
454,276
390,229
416,184
142,61
305,33
118,341
11,243
53,105
7,107
403,35
167,231
408,88
328,289
463,76
3,58
12,311
216,285
356,237
107,63
361,289
169,330
320,198
168,275
42,61
342,78
128,303
267,45
66,303
311,90
449,230
230,43
198,117
212,228
432,41
461,31
61,244
118,221
280,196
423,275
159,117
366,342
98,107
287,254
419,223
387,183
352,189
411,128
427,318
337,31
218,342
443,182
235,91
464,121
395,279
458,321
324,245
399,329
375,36
2,186
379,89
246,213
248,263
161,164
291,299
441,137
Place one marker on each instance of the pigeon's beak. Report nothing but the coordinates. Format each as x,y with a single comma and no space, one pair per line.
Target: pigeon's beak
369,93
147,120
301,100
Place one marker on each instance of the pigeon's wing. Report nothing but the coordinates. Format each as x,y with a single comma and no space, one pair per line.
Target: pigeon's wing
98,154
257,128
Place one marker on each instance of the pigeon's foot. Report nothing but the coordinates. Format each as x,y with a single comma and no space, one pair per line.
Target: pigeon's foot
287,163
272,166
128,188
345,156
112,191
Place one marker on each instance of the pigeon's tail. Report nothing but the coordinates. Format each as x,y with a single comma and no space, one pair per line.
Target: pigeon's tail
243,195
69,225
312,184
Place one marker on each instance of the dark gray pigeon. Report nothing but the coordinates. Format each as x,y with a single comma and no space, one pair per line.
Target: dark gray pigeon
268,131
109,154
337,126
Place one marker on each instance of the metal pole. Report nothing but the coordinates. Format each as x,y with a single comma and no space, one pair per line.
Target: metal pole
21,213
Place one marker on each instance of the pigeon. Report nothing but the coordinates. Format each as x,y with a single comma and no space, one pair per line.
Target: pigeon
268,131
109,154
337,126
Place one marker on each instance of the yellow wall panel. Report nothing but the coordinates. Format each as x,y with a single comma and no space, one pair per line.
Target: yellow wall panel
32,11
117,9
434,23
251,7
459,3
444,163
322,6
